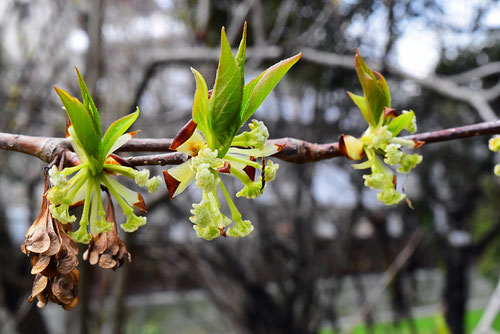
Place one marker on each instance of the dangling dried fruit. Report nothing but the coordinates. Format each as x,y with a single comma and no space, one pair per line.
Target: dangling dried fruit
66,258
53,259
107,249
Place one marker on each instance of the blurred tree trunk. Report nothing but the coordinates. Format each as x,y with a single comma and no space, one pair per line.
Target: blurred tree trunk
92,73
118,311
456,288
93,60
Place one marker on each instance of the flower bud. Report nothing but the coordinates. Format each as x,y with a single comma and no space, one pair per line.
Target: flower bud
390,196
270,171
408,162
241,229
251,190
494,144
206,179
392,154
375,180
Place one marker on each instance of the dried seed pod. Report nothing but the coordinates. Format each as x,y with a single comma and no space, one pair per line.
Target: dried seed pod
42,237
107,249
66,258
64,287
39,263
61,289
53,259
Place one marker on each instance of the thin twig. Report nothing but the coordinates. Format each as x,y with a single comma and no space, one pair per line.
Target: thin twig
293,150
467,131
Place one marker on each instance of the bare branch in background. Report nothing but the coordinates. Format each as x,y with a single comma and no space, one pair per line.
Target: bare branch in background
446,86
477,99
279,25
328,10
188,56
240,11
389,274
490,313
477,73
258,23
93,58
203,9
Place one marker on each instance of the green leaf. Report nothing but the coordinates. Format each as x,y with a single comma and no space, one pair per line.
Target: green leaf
360,101
240,56
115,130
403,121
88,102
265,85
82,122
375,90
224,105
247,94
200,106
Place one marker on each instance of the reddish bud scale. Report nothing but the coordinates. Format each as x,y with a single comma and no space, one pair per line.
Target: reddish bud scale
249,170
390,112
418,143
140,204
356,152
226,169
183,135
171,183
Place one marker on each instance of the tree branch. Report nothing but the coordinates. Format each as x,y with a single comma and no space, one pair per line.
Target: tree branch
478,72
294,150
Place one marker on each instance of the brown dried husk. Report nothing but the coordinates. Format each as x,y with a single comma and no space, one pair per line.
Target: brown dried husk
107,249
53,259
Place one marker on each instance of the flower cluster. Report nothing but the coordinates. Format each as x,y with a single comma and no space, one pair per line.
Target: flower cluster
53,258
97,164
380,144
204,168
210,140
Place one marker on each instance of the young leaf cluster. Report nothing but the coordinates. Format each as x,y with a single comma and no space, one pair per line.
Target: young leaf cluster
379,144
96,166
211,140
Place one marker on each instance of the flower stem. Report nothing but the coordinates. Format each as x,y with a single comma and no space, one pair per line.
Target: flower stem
235,214
241,160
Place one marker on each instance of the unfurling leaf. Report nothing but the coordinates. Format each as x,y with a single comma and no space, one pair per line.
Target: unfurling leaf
224,105
82,122
405,121
200,106
263,86
88,102
115,130
375,90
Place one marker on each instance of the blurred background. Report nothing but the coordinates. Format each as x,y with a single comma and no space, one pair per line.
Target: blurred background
325,256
